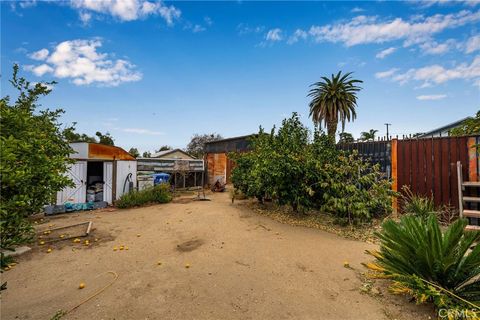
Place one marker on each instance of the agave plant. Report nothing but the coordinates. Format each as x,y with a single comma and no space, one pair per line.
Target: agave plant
429,264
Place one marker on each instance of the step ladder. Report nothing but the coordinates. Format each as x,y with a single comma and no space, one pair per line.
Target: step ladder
462,185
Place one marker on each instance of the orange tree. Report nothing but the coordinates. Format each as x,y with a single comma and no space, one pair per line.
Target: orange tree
34,156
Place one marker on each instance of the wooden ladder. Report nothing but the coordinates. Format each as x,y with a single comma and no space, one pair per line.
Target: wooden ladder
462,199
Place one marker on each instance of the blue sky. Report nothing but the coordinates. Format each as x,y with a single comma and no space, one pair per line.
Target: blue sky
154,73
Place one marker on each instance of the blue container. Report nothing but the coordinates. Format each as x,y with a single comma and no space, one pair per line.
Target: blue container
159,178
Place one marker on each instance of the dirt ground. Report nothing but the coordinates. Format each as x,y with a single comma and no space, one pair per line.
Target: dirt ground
241,266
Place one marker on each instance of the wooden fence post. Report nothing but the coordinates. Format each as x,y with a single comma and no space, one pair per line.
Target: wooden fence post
472,159
394,150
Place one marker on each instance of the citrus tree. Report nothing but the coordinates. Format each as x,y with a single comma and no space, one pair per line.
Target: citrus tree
34,156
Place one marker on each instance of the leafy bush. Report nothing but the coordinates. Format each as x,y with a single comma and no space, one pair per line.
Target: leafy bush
34,156
429,264
157,194
353,190
291,169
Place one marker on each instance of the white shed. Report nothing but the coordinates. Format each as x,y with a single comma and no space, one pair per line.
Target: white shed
100,173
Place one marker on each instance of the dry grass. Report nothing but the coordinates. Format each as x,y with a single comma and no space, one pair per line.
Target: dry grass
317,220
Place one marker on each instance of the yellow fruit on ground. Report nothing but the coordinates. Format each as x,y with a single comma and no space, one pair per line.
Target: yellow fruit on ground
115,248
346,264
81,286
42,243
122,247
49,250
159,263
6,268
187,265
126,248
138,234
62,236
76,240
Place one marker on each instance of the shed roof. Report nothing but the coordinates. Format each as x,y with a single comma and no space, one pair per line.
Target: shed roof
97,151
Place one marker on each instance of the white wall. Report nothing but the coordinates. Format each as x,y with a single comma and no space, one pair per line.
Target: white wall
81,150
125,167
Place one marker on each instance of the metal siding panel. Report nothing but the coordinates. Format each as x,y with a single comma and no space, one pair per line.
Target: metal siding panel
124,167
107,177
78,194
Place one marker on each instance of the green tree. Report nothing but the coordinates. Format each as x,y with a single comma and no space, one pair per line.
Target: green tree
468,127
368,136
346,137
164,148
196,146
134,152
146,154
334,100
34,156
73,136
106,138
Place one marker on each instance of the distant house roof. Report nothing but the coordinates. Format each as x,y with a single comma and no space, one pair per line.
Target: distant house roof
443,129
234,144
171,154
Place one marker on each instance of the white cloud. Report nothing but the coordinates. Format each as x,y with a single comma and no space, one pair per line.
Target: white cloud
432,97
198,28
365,29
128,10
208,21
357,10
85,17
274,35
299,34
382,54
80,61
473,44
143,131
39,55
386,74
243,28
432,47
436,74
429,3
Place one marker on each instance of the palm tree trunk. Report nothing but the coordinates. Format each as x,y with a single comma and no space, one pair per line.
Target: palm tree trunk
332,129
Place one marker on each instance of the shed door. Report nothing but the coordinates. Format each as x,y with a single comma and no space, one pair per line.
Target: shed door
107,178
78,194
126,172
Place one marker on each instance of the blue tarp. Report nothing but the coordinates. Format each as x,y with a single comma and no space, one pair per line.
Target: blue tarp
159,178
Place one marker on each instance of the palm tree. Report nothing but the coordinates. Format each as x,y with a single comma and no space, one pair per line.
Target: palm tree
346,137
367,136
334,100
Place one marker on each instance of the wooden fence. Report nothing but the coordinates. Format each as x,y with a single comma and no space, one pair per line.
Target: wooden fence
428,166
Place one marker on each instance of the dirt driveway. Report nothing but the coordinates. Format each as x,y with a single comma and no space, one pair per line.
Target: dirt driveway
242,266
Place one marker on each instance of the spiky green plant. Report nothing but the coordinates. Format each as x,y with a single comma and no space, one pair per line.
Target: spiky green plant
422,207
429,264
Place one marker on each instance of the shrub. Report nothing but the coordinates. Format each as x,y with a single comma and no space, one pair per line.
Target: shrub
293,170
354,191
416,205
157,194
34,156
428,264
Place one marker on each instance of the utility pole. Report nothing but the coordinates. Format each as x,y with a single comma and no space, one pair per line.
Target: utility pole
387,125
